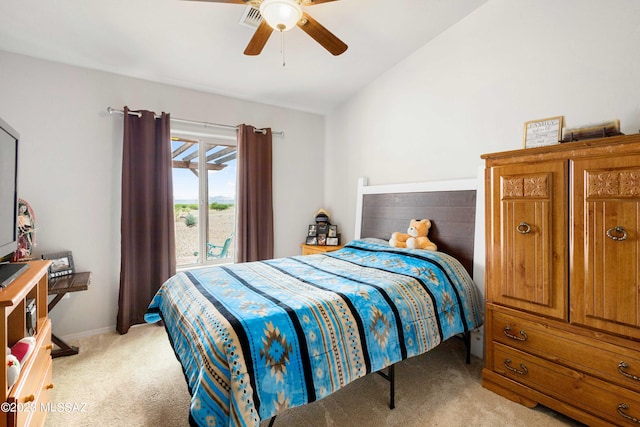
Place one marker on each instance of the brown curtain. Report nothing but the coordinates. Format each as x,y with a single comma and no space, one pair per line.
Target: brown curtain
147,224
255,202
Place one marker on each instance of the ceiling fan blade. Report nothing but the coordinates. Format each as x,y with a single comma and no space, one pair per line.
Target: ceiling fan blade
226,1
322,35
259,39
312,2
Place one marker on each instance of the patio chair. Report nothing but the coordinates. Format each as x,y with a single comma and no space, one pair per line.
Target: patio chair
212,249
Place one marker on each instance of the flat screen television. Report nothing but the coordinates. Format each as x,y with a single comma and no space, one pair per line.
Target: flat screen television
8,203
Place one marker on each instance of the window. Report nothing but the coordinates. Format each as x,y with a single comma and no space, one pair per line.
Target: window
204,192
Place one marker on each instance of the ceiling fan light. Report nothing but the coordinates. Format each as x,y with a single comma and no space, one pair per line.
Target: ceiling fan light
281,15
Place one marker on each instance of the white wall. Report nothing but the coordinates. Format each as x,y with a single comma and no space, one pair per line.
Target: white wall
470,91
70,166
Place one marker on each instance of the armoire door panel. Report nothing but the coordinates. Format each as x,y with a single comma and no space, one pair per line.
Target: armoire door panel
528,231
605,291
526,268
612,291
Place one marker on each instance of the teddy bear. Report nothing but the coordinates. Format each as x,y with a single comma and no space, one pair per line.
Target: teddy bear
415,237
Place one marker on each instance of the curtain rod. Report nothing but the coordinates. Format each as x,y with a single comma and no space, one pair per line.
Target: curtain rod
194,122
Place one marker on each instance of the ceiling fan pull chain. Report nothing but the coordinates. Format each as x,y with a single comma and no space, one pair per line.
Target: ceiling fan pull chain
282,46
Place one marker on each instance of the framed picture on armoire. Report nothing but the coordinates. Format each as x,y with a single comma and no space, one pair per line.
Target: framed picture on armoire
538,133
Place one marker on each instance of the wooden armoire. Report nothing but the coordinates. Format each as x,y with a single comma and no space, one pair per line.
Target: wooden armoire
563,278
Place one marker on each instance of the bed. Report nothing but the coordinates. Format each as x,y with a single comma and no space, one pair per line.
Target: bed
255,339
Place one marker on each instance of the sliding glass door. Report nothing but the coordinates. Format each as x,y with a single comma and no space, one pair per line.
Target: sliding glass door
204,189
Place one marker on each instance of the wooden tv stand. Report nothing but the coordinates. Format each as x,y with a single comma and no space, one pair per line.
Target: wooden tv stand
25,404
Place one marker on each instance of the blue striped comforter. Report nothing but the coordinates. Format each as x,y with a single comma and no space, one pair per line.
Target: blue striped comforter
257,338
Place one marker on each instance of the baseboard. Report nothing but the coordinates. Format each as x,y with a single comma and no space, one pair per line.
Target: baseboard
90,333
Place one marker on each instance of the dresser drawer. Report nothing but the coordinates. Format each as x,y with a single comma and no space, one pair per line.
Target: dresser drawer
615,404
37,416
34,382
616,364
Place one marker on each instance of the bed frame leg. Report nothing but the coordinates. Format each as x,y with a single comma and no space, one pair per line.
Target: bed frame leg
467,343
391,377
272,420
392,386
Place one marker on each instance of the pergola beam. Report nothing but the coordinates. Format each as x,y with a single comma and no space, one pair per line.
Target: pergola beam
180,164
226,159
184,147
220,153
215,161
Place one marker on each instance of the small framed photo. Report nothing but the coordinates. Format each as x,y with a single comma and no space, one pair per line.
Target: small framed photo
538,133
322,239
312,240
332,241
313,230
61,264
333,231
323,229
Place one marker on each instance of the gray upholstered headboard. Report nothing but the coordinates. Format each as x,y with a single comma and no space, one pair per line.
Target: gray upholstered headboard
450,205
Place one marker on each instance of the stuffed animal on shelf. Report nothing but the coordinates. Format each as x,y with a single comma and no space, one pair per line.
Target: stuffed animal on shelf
16,355
415,237
13,368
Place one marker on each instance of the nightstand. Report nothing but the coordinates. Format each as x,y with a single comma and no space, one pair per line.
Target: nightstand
318,249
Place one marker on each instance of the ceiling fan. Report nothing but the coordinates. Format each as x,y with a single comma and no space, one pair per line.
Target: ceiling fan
282,15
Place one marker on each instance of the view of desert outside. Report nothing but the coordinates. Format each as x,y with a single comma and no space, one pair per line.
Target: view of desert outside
221,227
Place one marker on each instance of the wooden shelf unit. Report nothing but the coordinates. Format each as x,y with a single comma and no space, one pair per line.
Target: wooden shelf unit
31,391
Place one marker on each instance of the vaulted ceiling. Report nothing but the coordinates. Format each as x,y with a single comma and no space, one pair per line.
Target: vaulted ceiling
199,45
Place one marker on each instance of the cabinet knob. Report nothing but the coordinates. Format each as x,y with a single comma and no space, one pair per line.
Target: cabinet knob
49,386
30,398
523,228
617,233
48,347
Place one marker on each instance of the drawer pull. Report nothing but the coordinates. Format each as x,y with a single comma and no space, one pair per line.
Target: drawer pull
49,386
48,347
507,332
617,233
624,407
523,228
30,398
625,365
507,364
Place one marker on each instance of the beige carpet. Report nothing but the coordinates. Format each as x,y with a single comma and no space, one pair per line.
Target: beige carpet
135,380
